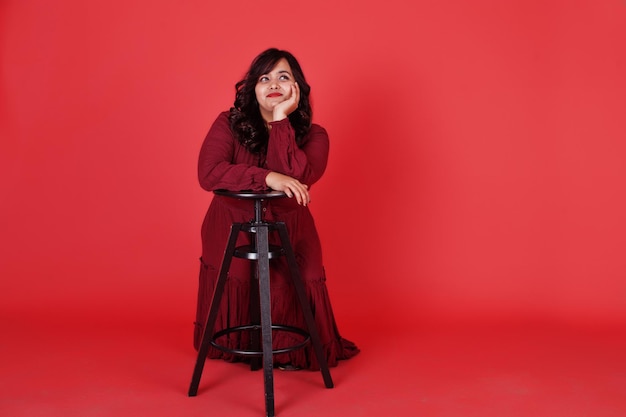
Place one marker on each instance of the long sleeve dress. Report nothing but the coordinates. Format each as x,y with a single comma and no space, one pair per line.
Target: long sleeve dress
225,164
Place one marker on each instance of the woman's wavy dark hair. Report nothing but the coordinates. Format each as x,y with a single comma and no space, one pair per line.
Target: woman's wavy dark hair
245,117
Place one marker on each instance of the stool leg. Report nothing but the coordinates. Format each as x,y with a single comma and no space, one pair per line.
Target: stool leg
207,335
263,265
304,302
256,362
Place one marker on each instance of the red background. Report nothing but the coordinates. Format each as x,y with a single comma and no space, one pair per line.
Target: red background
477,170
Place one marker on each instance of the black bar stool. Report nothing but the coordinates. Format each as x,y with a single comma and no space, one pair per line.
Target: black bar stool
260,252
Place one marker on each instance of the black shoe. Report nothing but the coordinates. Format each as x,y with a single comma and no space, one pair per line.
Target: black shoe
287,367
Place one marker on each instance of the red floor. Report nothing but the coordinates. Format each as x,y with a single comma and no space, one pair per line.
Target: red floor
139,369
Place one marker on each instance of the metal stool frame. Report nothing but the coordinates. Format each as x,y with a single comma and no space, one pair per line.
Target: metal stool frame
261,253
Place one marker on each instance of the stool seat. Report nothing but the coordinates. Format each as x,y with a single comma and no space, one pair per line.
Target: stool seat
251,195
259,252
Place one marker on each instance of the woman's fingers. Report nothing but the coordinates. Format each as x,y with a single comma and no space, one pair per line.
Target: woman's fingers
299,191
296,88
289,105
290,186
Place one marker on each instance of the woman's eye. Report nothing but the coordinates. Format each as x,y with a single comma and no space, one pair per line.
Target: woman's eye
263,79
284,77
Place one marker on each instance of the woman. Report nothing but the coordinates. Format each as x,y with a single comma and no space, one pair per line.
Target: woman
267,141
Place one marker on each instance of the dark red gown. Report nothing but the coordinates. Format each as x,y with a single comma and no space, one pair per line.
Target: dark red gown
225,164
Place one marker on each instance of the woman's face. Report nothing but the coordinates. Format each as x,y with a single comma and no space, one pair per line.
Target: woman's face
273,88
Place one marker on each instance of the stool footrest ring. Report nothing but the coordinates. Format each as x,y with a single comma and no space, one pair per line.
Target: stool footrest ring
257,327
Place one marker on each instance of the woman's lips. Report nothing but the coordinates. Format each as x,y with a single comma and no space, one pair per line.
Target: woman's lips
274,95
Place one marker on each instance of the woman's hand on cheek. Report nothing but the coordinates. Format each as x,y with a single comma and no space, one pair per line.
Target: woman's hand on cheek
285,108
290,186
